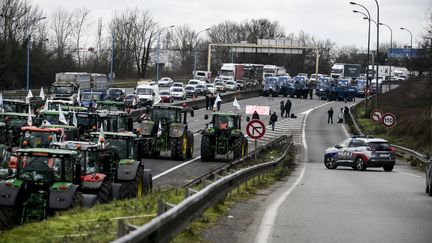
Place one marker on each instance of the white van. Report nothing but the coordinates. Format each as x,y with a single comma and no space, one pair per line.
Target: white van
146,91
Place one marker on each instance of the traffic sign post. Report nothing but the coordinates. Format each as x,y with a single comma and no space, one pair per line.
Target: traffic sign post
255,129
377,115
388,120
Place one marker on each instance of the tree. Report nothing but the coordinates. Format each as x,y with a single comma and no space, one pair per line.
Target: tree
79,26
61,26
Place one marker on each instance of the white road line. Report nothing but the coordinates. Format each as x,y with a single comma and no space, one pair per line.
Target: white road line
266,227
175,168
345,130
409,174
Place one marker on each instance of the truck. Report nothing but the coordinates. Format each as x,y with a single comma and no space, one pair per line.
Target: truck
341,71
273,84
231,71
389,72
273,71
203,76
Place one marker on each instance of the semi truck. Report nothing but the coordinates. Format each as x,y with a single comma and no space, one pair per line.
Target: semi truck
392,72
341,71
231,71
273,71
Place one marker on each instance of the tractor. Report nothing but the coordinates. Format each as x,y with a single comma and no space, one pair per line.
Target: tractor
223,136
14,122
45,182
123,166
165,128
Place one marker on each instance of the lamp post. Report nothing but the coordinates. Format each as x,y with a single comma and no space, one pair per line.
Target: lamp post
158,51
112,57
28,52
377,56
402,28
391,47
195,51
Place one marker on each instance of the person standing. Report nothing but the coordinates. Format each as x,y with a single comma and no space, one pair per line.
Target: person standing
212,101
340,116
255,116
270,93
282,108
346,114
288,108
273,120
330,115
207,101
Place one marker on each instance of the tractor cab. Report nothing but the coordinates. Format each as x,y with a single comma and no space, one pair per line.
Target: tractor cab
69,133
122,144
116,121
51,117
87,122
13,123
109,105
35,137
21,106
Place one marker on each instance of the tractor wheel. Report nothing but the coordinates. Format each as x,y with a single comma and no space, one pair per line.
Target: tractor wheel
148,181
6,217
350,97
206,149
105,193
133,188
179,147
238,148
246,144
190,147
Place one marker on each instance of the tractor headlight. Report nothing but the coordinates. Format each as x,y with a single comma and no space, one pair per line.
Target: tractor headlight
235,132
176,130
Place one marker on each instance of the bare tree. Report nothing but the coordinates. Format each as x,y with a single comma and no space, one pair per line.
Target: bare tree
80,25
61,26
183,38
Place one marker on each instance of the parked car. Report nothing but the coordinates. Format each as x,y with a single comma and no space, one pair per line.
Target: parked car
165,82
166,96
178,93
220,86
360,153
176,85
211,88
116,94
201,89
194,82
190,91
132,101
231,86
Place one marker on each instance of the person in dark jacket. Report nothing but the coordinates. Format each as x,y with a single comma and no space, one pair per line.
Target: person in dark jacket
330,116
282,108
212,101
346,114
255,116
288,108
273,120
207,101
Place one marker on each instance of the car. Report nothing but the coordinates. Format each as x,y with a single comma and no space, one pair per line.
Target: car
115,94
429,177
165,82
220,86
176,85
241,84
166,96
361,153
190,91
178,93
132,101
211,88
201,89
231,86
194,82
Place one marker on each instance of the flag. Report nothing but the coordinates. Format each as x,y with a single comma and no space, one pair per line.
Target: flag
47,123
157,99
74,119
134,101
236,104
42,94
101,139
29,95
218,98
78,97
29,117
46,105
62,118
1,103
159,131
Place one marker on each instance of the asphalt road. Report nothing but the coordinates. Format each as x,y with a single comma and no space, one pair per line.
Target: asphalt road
167,172
343,205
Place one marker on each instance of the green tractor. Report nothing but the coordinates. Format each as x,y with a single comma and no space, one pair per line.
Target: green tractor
45,182
223,136
123,166
165,128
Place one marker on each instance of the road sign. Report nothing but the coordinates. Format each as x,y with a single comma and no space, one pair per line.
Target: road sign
255,129
377,115
261,110
388,120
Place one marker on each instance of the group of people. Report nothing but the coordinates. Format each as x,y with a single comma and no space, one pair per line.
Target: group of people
210,101
285,108
342,116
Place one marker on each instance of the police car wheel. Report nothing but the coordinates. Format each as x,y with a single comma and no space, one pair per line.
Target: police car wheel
330,163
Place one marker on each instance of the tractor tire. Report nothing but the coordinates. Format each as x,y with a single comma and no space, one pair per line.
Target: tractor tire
179,147
148,181
246,142
105,193
6,217
129,189
238,148
350,97
190,147
206,149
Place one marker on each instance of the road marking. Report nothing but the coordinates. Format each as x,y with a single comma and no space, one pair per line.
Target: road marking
409,174
175,168
345,130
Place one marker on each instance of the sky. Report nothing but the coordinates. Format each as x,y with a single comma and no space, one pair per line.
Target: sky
330,19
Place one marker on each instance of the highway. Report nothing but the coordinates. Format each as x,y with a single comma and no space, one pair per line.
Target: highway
343,205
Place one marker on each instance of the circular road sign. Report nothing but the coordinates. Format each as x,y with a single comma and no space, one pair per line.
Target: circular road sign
377,115
388,120
255,129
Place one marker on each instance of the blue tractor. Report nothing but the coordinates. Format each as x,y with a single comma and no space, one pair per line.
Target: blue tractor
342,90
322,87
300,88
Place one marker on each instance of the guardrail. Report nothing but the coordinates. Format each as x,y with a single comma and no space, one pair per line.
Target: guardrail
404,152
164,227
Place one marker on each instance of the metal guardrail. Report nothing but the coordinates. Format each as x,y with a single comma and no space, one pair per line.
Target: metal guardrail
401,150
164,227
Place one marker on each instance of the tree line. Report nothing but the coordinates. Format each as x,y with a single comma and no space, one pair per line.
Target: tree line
73,40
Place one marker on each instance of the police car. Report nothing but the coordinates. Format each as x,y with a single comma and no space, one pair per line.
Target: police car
360,153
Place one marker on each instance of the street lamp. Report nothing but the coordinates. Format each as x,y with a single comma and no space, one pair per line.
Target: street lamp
158,51
28,52
377,55
402,28
391,47
195,51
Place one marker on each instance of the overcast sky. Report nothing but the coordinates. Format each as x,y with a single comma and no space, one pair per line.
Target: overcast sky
324,19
